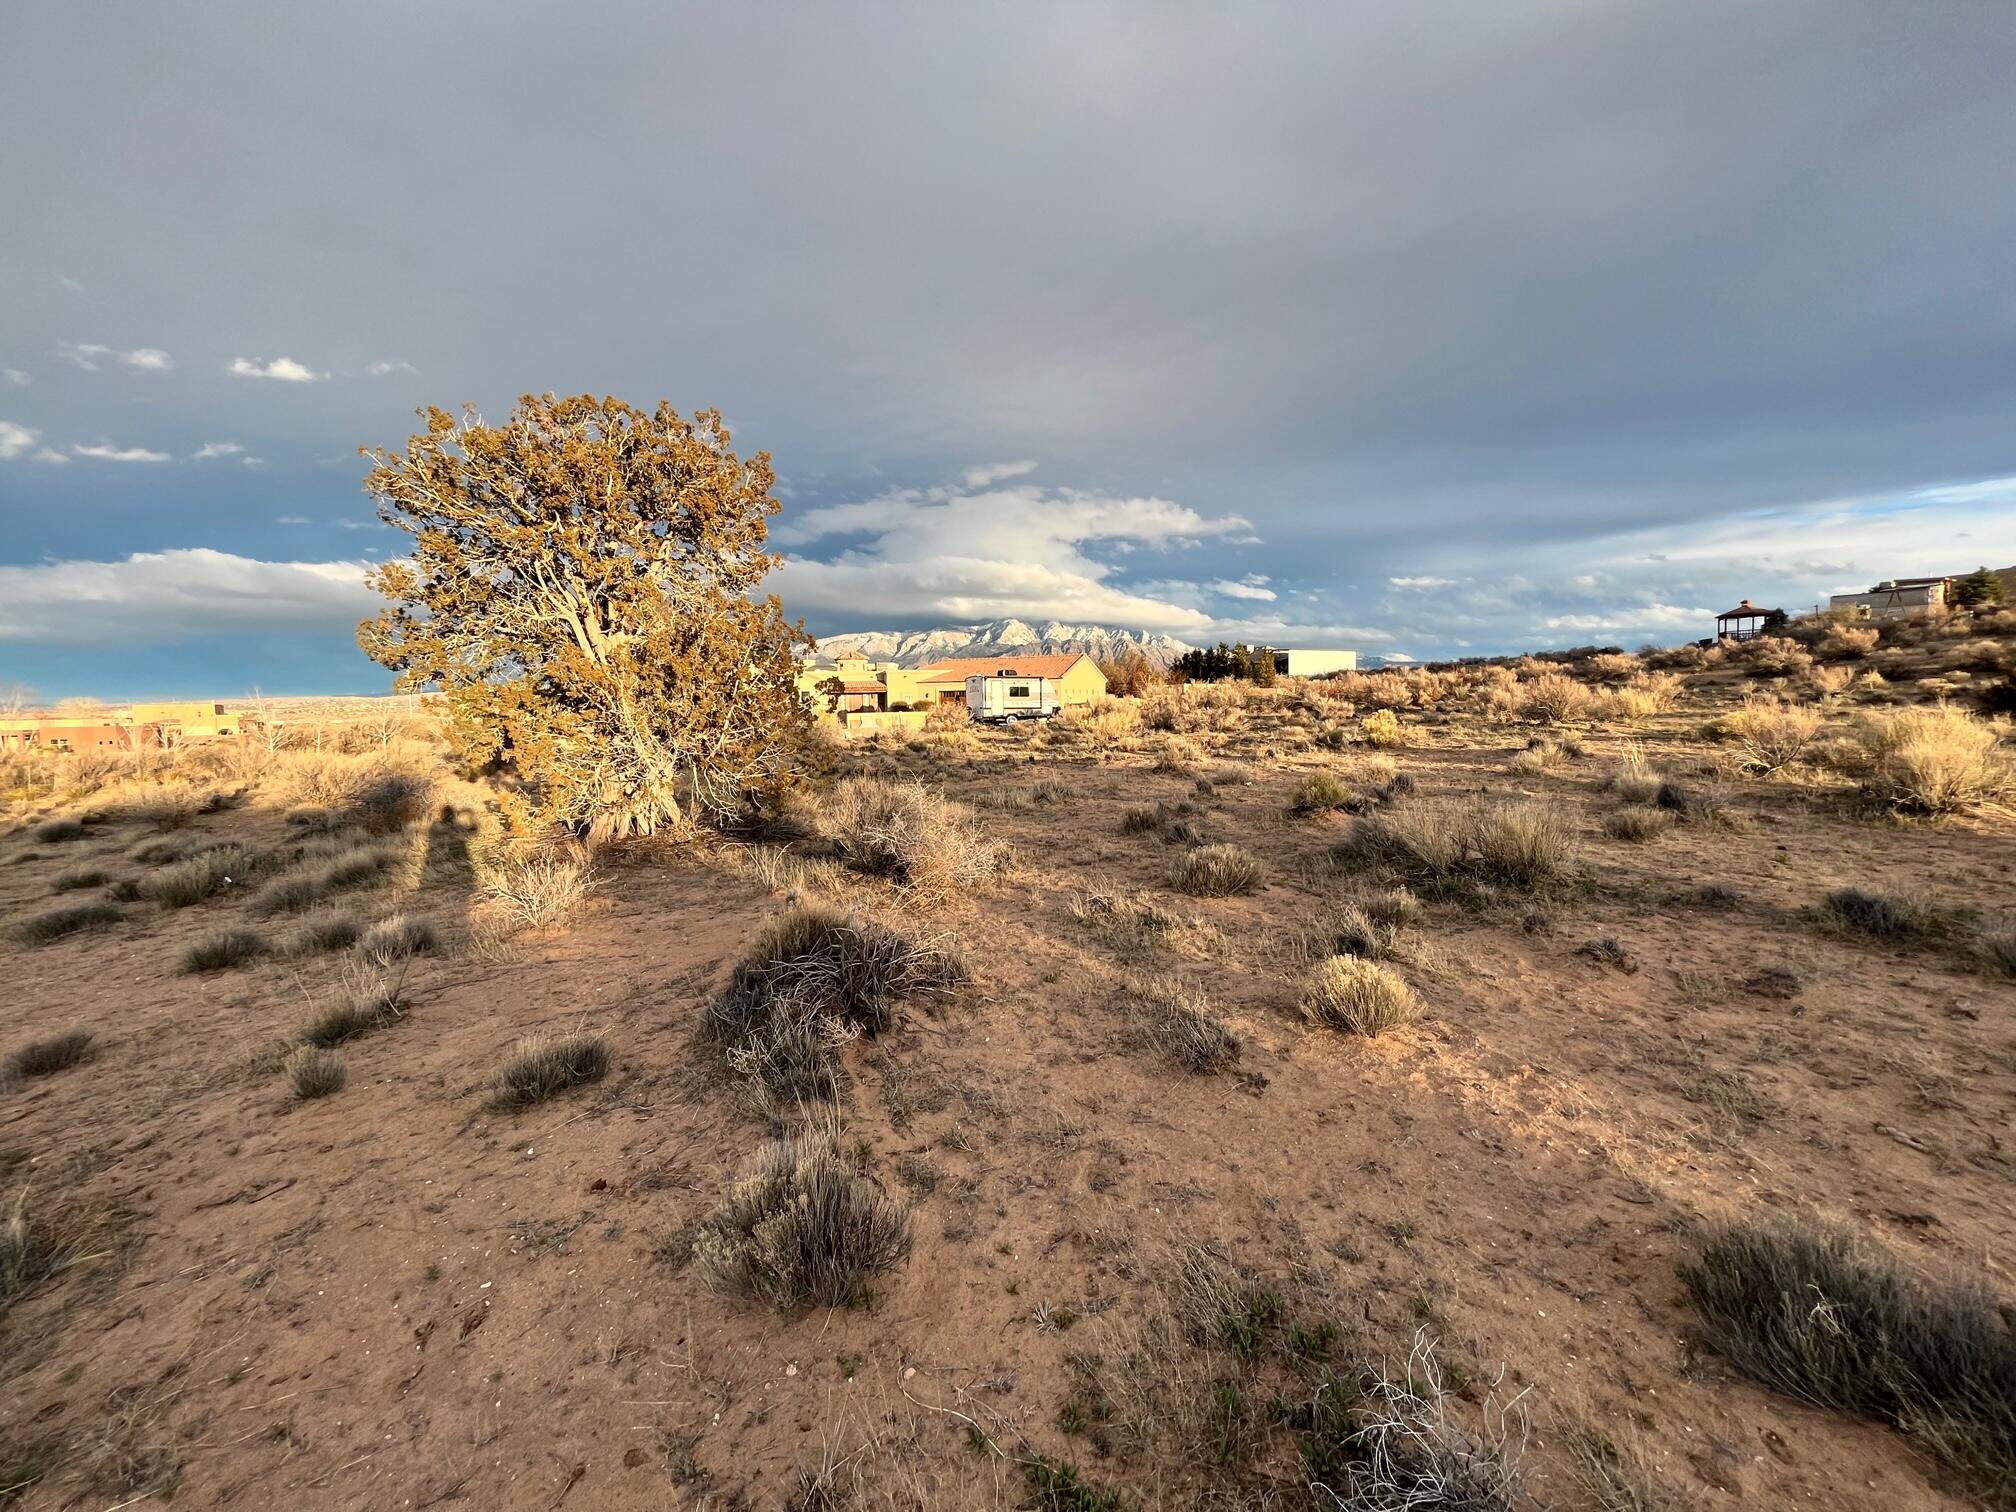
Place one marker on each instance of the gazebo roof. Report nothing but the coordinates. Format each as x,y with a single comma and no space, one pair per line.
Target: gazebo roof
1747,610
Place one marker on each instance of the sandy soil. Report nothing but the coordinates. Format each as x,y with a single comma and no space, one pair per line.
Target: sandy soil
400,1297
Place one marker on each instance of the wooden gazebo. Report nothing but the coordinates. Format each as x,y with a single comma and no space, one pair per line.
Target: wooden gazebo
1746,621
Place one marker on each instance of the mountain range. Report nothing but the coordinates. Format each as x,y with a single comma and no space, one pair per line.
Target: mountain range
914,648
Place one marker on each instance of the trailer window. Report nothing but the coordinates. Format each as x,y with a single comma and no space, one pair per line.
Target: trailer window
1018,690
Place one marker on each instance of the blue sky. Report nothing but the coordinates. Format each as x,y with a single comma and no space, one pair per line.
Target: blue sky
1423,329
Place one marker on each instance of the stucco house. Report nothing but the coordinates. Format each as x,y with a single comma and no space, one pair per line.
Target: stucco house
1892,598
867,687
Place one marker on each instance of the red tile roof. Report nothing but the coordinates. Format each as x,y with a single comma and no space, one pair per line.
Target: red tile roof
960,668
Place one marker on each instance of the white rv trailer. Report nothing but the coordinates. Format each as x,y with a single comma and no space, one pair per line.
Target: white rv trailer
1003,698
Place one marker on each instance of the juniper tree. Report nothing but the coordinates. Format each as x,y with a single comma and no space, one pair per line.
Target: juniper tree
580,589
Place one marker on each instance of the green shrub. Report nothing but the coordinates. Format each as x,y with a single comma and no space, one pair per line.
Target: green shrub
1321,792
1382,731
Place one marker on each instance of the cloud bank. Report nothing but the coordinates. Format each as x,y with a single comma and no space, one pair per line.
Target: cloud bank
169,595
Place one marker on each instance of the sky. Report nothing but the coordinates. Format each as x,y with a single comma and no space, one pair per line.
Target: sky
1423,328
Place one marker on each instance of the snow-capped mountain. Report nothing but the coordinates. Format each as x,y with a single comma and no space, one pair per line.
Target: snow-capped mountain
913,648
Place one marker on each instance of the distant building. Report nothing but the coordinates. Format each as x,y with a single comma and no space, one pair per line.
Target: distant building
1893,598
1075,677
1312,663
1746,621
864,686
199,720
83,732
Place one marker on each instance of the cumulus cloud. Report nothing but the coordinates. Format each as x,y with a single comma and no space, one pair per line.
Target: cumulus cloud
49,455
104,452
16,377
210,449
1252,586
383,368
975,552
995,472
15,440
89,354
281,369
167,595
1644,617
1421,582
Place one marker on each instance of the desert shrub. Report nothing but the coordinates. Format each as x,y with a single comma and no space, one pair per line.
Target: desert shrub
545,1066
1321,792
1637,823
1176,1020
801,1226
366,1005
1939,760
389,800
314,1072
1995,948
1610,667
1552,698
948,718
1141,821
1394,1442
1776,656
396,939
1216,871
902,831
57,1053
56,831
55,923
1848,643
1827,1315
223,948
1518,845
1770,735
1381,730
78,877
1632,780
326,932
1639,699
1881,916
302,890
201,876
172,805
1357,995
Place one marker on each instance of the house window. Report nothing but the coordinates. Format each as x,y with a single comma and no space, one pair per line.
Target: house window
1018,690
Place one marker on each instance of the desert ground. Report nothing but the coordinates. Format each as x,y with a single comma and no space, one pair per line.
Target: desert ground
1175,1228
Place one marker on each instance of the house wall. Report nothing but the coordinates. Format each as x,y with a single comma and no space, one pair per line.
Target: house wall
1083,683
196,720
75,735
906,722
1889,603
1314,663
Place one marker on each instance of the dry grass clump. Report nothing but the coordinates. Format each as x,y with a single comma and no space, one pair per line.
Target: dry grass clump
325,932
1939,760
1638,823
77,878
57,831
59,1052
1848,643
948,718
816,976
1776,656
1824,1314
905,832
537,887
1540,755
1518,845
1770,735
801,1226
545,1066
56,923
1880,916
1552,698
172,805
1616,1476
314,1072
222,949
1216,871
202,876
1357,995
1176,1019
302,890
1321,793
32,1249
1995,948
1639,699
397,939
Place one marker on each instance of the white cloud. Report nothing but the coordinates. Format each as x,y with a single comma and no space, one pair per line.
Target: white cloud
974,553
293,520
397,365
107,453
1638,617
284,369
163,595
69,285
50,455
1421,582
1252,586
16,377
88,354
994,472
211,449
15,440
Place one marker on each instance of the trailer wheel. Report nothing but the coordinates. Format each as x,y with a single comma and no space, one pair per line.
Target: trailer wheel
1010,720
